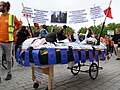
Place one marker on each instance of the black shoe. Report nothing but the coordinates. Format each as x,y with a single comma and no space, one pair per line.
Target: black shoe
118,59
68,67
8,77
36,85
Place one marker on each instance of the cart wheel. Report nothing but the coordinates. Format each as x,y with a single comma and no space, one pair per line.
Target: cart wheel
93,71
36,85
75,69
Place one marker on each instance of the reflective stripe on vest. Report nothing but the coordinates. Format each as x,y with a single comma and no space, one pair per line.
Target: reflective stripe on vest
10,27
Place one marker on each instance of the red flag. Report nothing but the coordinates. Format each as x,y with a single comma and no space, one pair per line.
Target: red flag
108,12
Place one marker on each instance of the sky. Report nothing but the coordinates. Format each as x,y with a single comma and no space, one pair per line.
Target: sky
67,5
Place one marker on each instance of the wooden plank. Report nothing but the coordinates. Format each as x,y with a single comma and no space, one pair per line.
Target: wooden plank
33,75
51,78
50,72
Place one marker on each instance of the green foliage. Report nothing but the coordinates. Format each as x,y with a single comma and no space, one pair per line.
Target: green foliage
33,28
97,29
82,30
55,27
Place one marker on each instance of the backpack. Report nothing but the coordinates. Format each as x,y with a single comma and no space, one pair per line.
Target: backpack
51,37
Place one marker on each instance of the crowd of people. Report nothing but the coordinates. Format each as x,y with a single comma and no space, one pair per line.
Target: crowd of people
7,30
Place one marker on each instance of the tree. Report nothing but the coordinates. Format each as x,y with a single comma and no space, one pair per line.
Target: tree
82,30
97,29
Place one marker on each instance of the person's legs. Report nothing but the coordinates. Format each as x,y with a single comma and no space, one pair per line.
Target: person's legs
1,52
118,53
112,48
8,51
115,47
38,74
13,50
108,50
16,47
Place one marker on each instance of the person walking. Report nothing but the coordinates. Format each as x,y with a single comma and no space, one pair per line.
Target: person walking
111,45
115,38
43,31
106,41
118,49
22,35
7,24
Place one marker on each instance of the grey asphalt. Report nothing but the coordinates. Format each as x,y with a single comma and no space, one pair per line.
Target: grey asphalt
108,78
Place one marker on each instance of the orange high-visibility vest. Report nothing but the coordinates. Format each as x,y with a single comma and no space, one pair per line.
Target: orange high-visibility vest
10,27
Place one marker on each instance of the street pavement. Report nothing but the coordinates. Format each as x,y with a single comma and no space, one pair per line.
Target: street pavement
108,78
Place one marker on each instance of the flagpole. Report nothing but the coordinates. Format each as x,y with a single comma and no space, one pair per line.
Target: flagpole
27,20
107,11
98,43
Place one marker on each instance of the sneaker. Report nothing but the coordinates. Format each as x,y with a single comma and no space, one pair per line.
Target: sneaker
118,59
36,84
8,77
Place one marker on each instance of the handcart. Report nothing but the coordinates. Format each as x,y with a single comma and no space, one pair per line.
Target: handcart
50,55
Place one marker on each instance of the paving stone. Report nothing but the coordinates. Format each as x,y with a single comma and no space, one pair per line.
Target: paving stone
72,88
108,78
113,87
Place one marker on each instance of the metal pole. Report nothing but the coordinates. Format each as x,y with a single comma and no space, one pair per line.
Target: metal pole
94,17
94,21
27,20
98,43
